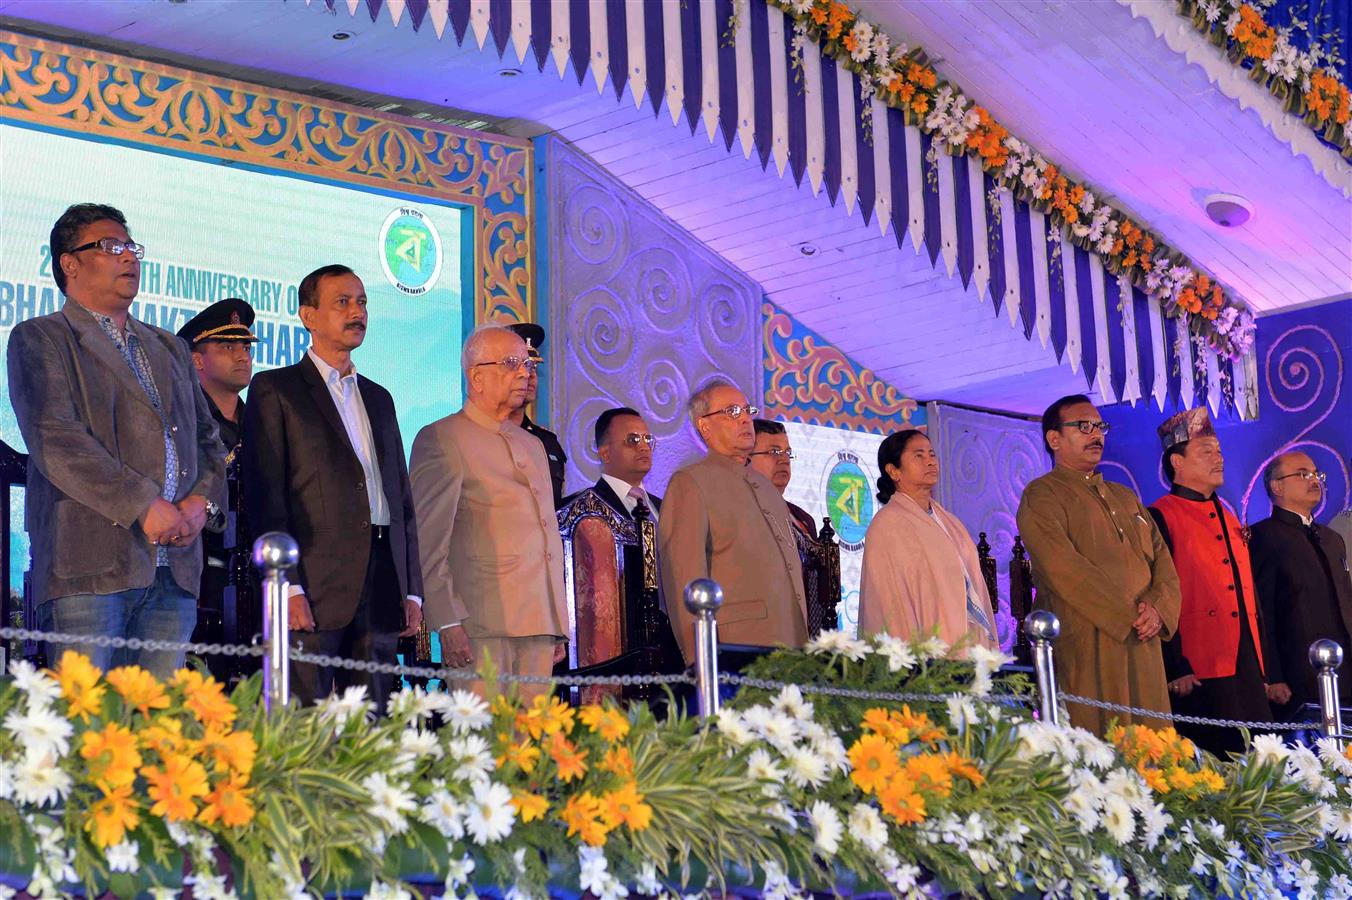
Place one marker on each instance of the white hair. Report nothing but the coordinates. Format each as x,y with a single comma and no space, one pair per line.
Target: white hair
472,353
699,401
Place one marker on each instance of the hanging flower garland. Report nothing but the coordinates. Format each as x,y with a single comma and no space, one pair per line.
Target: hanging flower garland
901,77
1306,81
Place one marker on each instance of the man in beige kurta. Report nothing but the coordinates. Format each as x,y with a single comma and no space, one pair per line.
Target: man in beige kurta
726,521
493,560
1101,565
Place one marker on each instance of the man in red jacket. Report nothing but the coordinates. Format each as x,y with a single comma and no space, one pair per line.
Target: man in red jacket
1215,660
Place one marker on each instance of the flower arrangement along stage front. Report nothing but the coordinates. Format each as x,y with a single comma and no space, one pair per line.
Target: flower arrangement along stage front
123,783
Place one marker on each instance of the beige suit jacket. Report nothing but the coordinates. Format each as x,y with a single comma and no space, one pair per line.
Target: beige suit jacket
725,521
492,558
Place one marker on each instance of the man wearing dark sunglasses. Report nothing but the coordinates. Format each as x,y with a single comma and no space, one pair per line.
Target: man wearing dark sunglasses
626,448
124,459
1101,565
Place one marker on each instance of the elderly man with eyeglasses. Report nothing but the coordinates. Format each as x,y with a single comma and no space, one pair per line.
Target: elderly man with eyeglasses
492,558
124,458
773,457
1300,574
724,520
1100,564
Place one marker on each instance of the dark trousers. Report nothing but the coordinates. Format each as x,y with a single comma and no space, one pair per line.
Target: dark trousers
372,635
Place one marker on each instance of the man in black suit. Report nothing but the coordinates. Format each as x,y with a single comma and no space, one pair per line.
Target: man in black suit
324,462
1300,575
625,446
773,457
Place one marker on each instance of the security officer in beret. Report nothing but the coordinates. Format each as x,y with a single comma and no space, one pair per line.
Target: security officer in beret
219,337
534,336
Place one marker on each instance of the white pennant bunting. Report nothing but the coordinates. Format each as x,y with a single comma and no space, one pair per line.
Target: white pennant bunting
915,187
948,213
561,34
675,62
634,25
779,90
1011,256
1131,390
1042,292
882,165
1103,377
708,51
849,160
478,21
813,117
746,86
981,259
520,28
1070,279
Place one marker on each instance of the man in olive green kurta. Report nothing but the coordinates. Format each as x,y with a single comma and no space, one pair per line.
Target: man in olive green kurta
1102,566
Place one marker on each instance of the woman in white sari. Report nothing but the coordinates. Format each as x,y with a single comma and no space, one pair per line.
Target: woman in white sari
921,569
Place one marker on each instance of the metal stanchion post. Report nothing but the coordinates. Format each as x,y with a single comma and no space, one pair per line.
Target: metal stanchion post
1326,656
703,597
1043,628
274,554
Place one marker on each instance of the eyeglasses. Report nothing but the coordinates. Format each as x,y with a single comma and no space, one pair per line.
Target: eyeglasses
113,247
776,452
633,439
1088,426
512,364
733,412
1307,475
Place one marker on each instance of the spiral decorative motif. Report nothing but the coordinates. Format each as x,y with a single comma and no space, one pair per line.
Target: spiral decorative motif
593,224
665,392
1298,370
664,290
725,318
605,330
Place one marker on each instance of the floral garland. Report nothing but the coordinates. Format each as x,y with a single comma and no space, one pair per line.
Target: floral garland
112,782
1306,81
901,77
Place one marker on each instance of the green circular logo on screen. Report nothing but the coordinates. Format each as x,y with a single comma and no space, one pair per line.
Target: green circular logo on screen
410,251
849,500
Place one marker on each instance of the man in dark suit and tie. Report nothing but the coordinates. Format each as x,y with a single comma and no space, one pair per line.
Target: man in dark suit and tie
625,446
324,462
124,463
1300,575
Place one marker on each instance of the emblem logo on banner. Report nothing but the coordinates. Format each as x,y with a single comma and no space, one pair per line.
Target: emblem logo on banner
410,251
849,499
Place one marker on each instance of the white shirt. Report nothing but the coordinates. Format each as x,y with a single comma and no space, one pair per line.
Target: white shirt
347,397
621,489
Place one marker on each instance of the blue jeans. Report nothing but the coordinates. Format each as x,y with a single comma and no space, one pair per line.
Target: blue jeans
162,612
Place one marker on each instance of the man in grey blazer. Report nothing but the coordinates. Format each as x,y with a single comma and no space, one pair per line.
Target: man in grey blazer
124,462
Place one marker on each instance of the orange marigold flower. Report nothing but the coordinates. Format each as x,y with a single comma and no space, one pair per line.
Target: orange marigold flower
165,736
582,815
873,761
1155,780
112,816
571,762
175,786
205,698
851,43
79,680
523,755
929,772
229,803
895,84
625,806
233,751
619,761
529,806
964,768
906,93
139,688
112,754
900,801
920,104
606,721
818,14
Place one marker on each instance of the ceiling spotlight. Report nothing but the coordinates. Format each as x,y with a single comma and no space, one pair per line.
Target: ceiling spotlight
807,249
343,35
509,72
1228,210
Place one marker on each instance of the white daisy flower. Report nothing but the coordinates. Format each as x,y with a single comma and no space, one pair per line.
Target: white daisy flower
840,643
124,856
348,706
802,7
868,827
806,768
826,827
444,813
40,730
962,713
790,702
897,652
466,711
471,752
863,36
390,801
489,815
775,727
210,887
732,727
833,753
32,681
40,781
762,767
416,743
933,648
1118,819
1342,829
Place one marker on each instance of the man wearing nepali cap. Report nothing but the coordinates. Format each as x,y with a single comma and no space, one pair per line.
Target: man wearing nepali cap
220,337
534,336
1214,662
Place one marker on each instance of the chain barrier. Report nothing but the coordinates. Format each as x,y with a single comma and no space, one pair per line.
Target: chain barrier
1189,720
102,640
860,694
320,659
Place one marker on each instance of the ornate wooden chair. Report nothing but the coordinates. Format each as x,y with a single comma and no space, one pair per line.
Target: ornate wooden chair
821,577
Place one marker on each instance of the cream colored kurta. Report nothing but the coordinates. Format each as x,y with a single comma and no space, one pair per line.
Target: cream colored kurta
1096,553
492,558
915,576
725,521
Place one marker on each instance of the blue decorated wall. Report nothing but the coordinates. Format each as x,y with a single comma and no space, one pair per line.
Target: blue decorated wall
1305,403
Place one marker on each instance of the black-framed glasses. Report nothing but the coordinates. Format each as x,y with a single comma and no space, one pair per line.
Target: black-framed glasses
512,364
1306,475
633,439
1088,426
776,452
113,247
733,412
